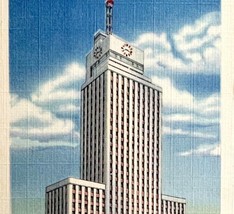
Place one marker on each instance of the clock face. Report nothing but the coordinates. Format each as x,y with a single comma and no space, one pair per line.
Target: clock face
126,49
97,52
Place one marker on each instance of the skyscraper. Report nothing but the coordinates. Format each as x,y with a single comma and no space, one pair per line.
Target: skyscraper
120,129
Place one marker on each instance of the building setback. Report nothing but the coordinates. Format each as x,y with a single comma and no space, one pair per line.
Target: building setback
173,205
75,196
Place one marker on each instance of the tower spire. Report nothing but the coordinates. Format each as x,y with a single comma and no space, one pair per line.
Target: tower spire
109,16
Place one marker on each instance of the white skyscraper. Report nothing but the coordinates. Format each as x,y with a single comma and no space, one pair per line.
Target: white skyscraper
120,131
4,110
121,127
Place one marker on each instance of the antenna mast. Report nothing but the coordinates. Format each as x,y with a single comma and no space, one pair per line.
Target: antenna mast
109,16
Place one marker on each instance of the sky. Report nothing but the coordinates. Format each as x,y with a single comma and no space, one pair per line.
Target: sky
48,43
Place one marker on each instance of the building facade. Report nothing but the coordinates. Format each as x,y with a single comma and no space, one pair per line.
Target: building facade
121,127
120,138
173,205
75,196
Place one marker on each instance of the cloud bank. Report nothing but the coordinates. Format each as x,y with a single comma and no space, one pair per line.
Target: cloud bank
62,93
195,48
49,117
189,108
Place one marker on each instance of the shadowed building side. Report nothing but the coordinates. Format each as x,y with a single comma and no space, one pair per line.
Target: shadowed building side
5,199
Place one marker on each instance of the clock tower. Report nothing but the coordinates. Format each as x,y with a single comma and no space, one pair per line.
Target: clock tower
109,50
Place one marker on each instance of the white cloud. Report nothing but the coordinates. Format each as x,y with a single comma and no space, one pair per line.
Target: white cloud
45,119
202,31
29,121
187,109
196,47
24,109
58,94
209,106
203,150
73,72
175,98
18,143
181,132
190,118
36,122
68,108
154,40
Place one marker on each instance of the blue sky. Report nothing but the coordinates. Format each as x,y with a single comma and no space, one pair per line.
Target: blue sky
48,44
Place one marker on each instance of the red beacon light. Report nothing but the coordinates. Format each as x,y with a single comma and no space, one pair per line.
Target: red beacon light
109,3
